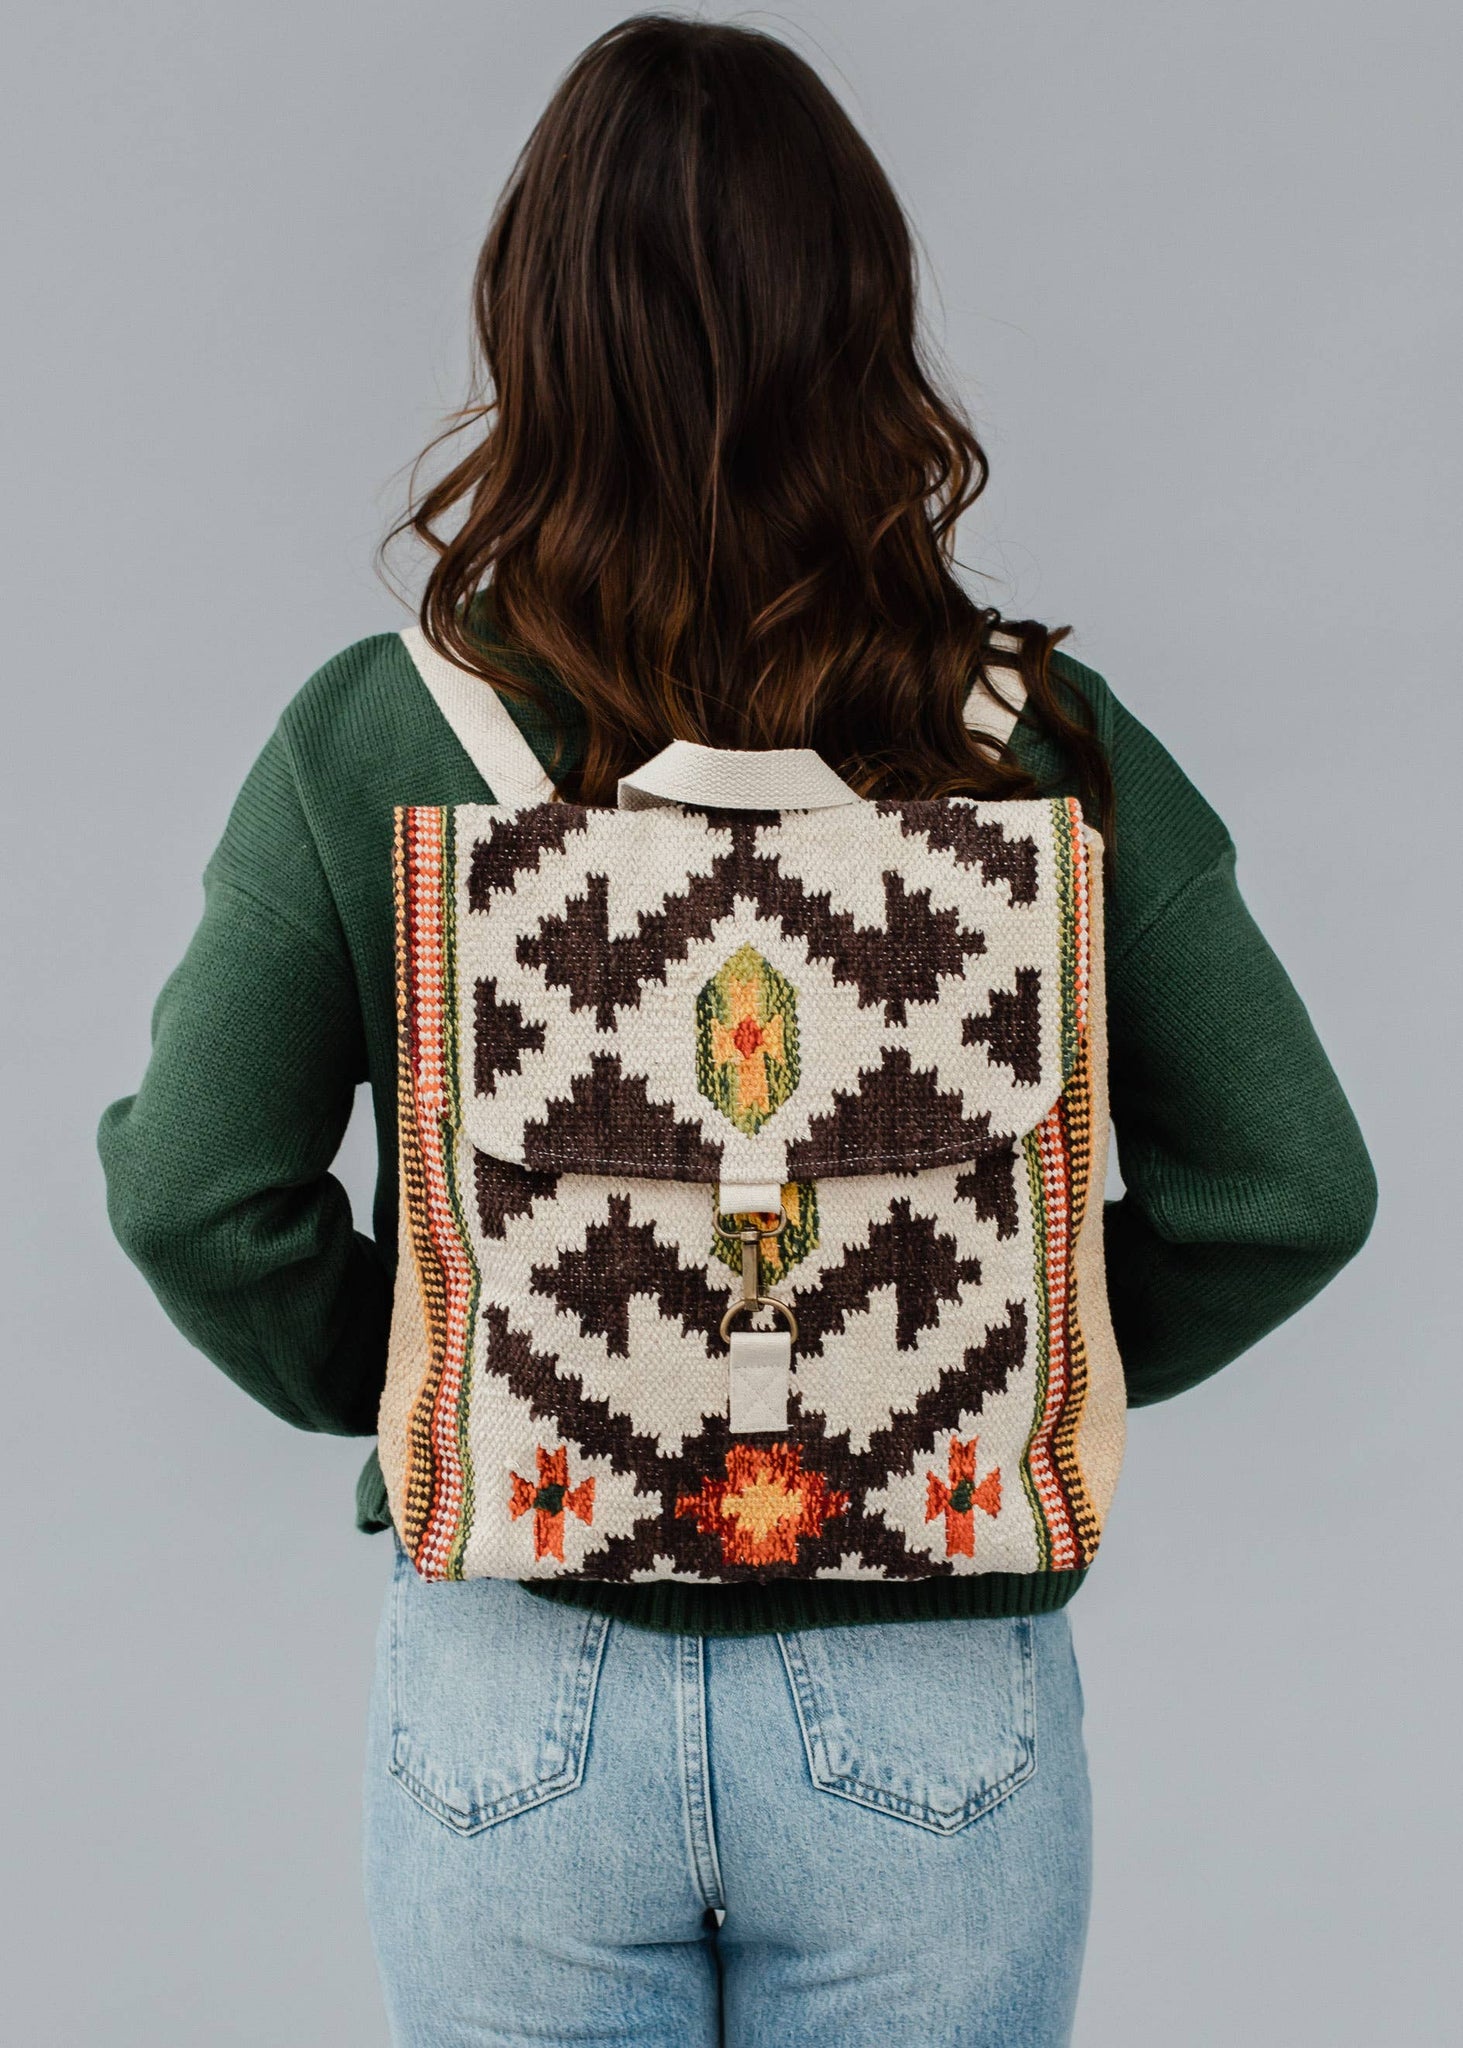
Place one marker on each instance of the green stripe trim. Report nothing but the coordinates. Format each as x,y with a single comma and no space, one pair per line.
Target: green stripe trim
1031,1146
451,1133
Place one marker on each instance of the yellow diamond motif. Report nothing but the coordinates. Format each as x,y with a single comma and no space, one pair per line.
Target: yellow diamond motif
747,1040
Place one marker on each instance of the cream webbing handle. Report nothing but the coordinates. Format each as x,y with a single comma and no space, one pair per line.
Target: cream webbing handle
482,723
983,713
509,766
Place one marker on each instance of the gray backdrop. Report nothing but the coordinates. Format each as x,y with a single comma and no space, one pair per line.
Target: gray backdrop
1197,279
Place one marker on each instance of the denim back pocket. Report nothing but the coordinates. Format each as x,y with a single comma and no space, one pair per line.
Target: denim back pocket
931,1722
491,1695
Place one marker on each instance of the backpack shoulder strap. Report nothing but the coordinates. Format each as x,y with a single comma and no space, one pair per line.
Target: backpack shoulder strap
483,724
987,713
507,763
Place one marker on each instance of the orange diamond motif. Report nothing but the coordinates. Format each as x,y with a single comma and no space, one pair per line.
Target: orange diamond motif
958,1500
549,1499
764,1504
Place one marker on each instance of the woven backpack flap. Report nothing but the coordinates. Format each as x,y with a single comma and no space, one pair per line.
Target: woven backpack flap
751,1171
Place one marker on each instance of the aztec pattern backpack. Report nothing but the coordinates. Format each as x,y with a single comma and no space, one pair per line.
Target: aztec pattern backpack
753,1140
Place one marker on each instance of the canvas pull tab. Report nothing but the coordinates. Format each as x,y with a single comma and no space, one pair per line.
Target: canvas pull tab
761,1367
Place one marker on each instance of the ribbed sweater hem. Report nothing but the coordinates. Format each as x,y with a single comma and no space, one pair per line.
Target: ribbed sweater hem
678,1608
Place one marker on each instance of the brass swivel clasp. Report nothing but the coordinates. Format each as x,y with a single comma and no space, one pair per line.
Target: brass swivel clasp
751,1231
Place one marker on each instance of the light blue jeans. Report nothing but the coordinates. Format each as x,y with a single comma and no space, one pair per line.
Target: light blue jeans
579,1831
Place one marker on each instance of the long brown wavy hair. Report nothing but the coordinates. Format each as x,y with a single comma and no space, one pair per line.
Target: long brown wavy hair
713,487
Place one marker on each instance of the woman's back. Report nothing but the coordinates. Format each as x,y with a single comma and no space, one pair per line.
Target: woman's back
711,498
1246,1184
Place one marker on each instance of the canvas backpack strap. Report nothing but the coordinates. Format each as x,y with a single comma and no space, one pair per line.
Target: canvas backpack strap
995,711
719,778
483,724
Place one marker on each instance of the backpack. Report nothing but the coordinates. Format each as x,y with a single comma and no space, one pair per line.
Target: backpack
752,1148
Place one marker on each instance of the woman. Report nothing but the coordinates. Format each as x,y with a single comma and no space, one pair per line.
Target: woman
712,498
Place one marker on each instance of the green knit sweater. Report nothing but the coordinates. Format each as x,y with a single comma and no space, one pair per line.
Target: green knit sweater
1247,1182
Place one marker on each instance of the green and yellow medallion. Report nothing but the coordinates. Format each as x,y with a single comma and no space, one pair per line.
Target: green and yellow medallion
747,1040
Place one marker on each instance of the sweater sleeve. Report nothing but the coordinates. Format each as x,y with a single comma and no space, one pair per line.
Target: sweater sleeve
1247,1182
217,1168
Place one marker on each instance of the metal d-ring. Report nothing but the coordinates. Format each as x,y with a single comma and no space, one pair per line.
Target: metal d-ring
756,1301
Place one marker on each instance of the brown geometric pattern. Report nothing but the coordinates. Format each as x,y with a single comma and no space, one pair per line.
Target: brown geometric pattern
595,1283
990,1182
504,1191
512,846
868,1127
607,1117
885,1012
500,1037
976,841
917,947
1011,1028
